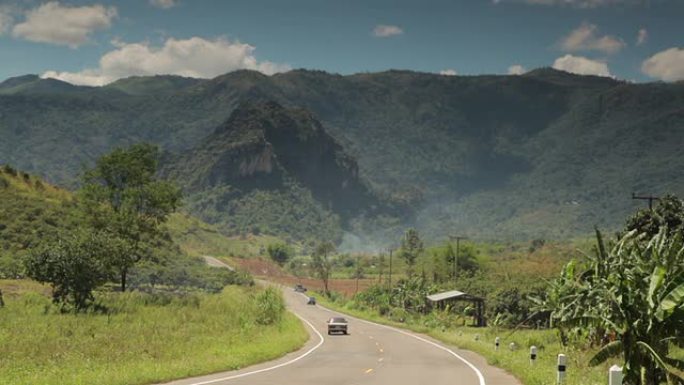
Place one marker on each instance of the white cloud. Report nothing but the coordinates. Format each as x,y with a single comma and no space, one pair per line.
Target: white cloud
387,30
164,4
666,65
642,36
195,57
584,38
516,69
54,23
448,72
581,66
5,19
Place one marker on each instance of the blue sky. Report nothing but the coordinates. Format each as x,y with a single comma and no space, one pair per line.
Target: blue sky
95,42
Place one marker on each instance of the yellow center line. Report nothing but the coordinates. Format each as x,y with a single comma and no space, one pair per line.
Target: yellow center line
381,351
369,370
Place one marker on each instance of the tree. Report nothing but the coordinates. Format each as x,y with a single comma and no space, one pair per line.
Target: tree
321,262
635,291
123,198
280,252
669,212
74,265
411,247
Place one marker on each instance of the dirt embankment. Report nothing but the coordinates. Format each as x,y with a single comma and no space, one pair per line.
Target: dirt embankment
270,271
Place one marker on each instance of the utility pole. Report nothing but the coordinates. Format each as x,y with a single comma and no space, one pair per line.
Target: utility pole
458,239
649,198
358,273
390,269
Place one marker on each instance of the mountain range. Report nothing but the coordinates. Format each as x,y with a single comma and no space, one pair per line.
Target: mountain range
308,154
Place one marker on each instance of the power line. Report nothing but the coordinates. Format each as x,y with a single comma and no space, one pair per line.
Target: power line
649,198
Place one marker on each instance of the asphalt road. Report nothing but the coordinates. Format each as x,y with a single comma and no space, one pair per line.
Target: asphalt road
370,355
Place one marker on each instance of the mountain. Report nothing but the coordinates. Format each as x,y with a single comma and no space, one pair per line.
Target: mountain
547,154
274,169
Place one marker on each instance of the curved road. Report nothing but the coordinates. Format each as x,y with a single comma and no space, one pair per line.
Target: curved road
370,355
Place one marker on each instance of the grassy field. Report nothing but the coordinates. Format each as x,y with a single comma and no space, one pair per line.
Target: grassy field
197,238
516,362
143,339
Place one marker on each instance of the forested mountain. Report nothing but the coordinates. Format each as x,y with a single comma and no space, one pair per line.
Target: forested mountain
543,155
272,169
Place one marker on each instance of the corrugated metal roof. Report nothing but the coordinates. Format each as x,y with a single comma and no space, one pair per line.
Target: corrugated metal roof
451,294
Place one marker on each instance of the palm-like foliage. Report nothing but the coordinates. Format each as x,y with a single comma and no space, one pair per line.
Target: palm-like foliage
633,291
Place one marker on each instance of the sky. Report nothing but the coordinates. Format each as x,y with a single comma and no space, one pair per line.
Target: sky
96,42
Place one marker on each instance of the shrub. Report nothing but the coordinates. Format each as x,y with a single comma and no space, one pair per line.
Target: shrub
270,306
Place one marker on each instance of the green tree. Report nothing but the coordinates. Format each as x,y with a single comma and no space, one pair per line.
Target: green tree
280,252
123,197
321,262
634,290
74,266
411,247
668,212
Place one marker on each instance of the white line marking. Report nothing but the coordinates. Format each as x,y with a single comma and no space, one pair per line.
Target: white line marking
480,377
320,336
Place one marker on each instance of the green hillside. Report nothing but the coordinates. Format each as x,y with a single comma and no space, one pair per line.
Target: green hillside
543,155
33,211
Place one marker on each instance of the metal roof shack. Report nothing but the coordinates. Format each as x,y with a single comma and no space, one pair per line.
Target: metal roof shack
444,298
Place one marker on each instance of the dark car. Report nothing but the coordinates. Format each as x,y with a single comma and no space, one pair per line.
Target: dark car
299,288
311,301
338,325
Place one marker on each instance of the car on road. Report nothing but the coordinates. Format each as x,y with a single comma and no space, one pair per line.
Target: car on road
299,288
311,301
338,325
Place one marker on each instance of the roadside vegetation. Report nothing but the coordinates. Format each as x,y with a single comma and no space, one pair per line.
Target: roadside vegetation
141,337
616,300
95,289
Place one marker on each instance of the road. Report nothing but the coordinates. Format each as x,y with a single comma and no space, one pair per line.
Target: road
370,355
214,262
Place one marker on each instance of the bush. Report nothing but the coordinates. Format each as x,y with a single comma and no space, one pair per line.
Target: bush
9,170
280,252
270,305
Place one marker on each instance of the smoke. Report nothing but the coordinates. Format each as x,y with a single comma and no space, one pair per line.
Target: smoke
352,243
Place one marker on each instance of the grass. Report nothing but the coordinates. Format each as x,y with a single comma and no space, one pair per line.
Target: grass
515,361
144,339
198,238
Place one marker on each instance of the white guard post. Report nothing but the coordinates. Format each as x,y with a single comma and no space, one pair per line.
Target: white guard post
561,368
615,375
496,343
533,354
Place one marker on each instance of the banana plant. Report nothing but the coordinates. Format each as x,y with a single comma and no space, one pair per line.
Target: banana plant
633,291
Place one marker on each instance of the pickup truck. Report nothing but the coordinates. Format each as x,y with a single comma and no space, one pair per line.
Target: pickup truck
337,325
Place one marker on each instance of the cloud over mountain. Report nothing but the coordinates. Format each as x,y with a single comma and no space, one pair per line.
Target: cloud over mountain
195,57
581,65
667,65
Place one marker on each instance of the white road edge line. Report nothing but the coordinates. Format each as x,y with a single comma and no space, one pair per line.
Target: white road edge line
471,366
320,336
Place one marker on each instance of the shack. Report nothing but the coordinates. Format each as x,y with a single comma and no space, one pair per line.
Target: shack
441,300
